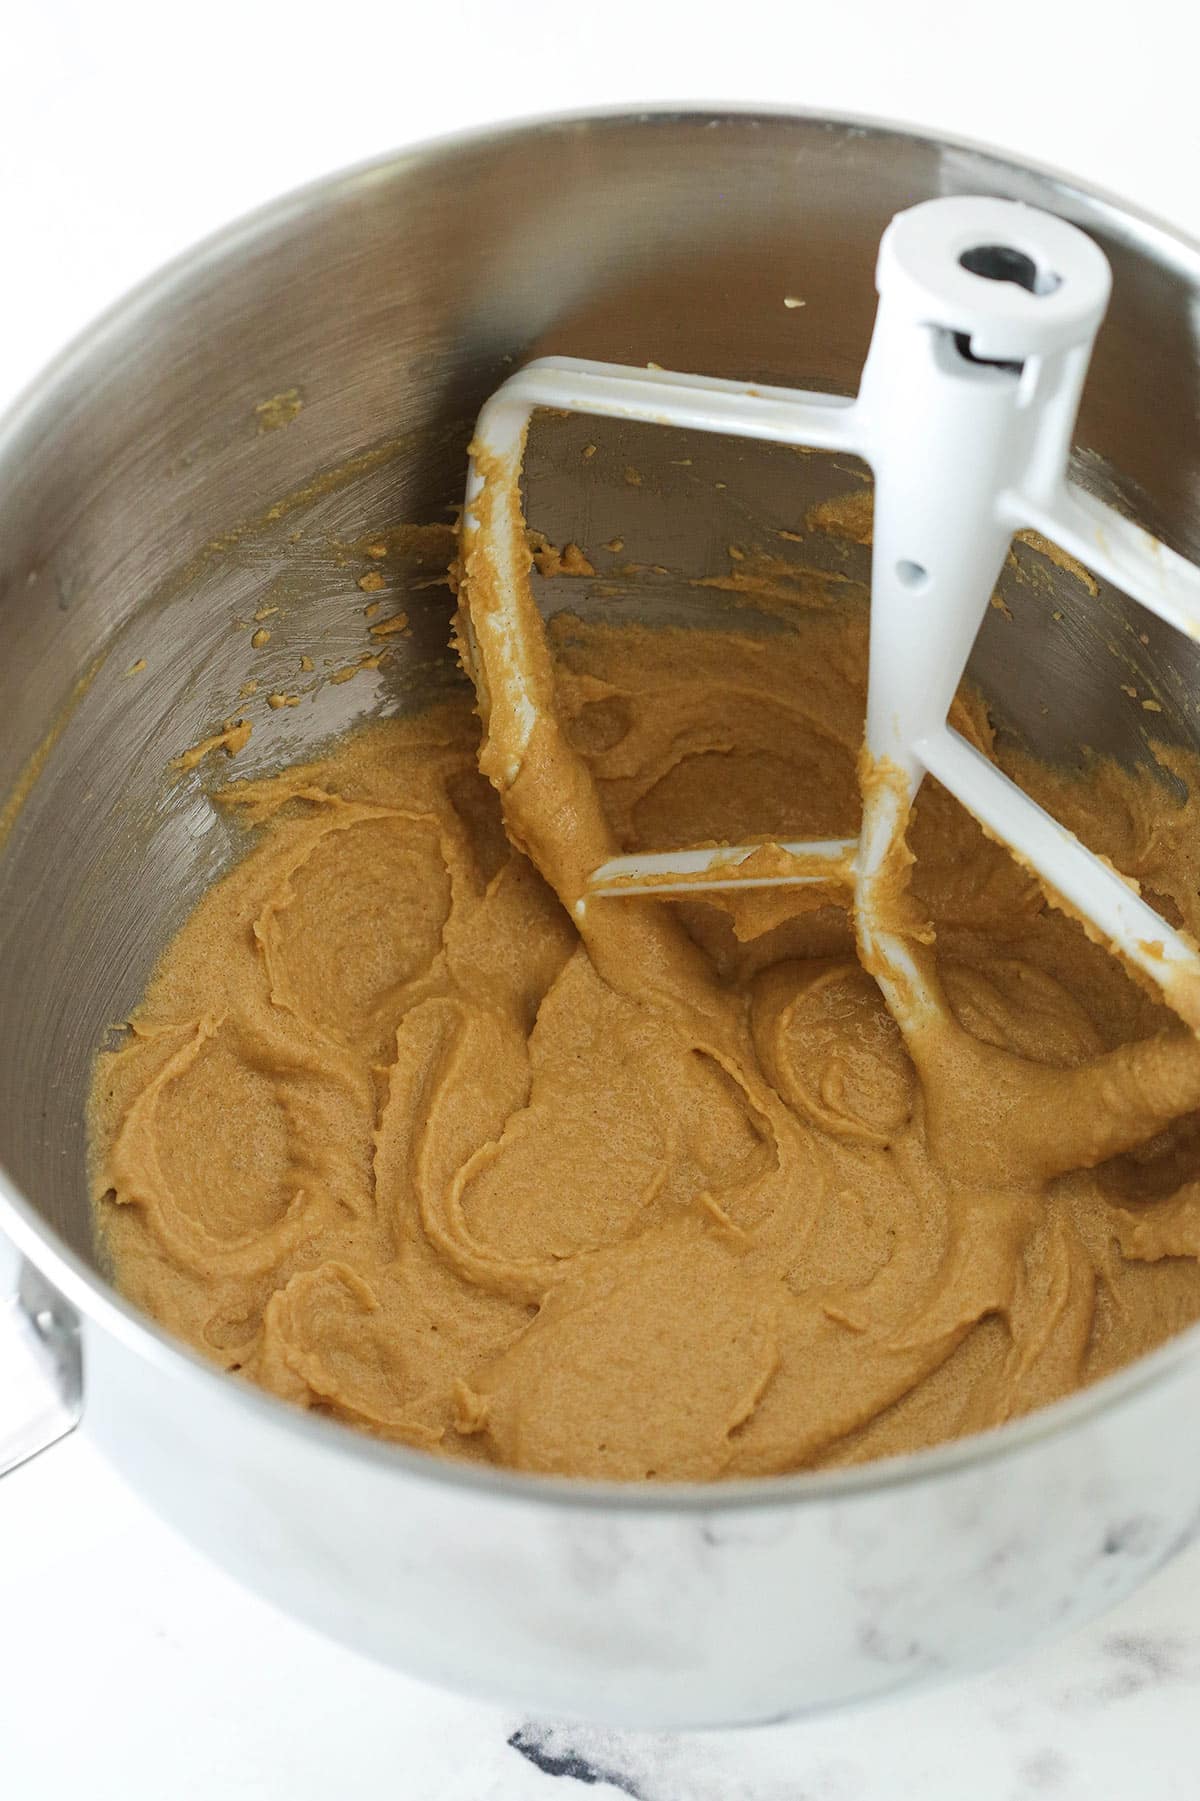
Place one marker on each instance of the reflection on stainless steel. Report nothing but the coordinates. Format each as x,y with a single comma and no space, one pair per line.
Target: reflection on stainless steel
144,512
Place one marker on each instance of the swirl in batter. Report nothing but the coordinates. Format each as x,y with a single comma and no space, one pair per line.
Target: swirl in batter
664,1194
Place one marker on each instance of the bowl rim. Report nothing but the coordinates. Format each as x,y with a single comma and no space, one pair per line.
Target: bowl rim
101,1304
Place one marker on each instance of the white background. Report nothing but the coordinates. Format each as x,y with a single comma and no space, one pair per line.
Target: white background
127,1667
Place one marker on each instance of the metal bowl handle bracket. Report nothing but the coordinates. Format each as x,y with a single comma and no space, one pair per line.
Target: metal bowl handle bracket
41,1372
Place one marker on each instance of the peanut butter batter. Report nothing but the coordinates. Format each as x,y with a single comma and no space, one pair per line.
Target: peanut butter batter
660,1191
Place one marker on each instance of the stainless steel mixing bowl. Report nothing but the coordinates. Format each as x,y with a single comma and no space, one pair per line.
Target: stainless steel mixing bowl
144,509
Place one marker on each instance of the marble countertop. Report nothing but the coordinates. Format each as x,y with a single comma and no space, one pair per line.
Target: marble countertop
130,1668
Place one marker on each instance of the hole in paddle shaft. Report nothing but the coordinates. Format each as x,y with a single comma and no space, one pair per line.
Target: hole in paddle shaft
1001,262
912,575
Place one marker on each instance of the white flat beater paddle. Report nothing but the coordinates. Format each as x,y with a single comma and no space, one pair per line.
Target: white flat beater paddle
987,314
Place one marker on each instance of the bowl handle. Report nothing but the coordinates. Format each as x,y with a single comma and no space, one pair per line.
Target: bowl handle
41,1374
